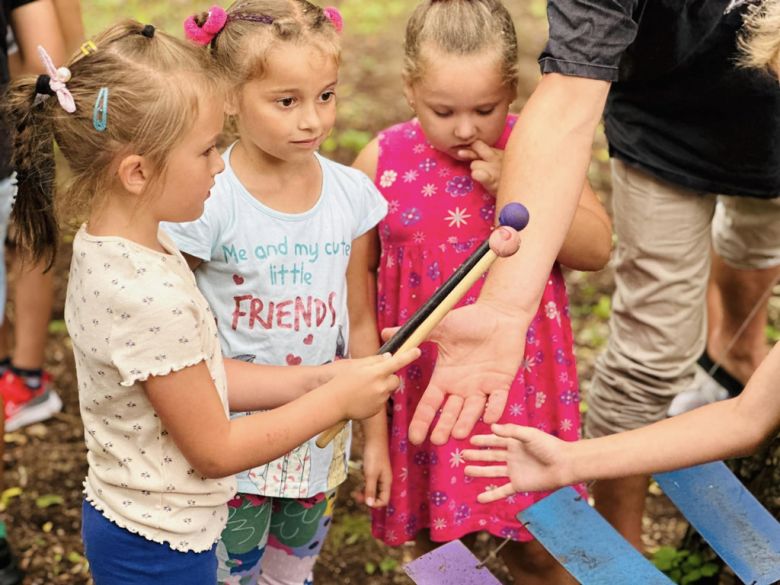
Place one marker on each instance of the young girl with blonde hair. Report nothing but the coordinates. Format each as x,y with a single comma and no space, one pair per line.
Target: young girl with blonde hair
282,241
136,114
440,173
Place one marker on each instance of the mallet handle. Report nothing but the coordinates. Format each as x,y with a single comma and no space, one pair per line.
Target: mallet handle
427,317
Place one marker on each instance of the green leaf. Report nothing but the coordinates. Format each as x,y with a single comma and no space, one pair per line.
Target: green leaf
58,327
691,577
675,575
388,565
75,557
329,145
709,570
663,565
7,495
370,568
48,500
604,307
665,553
354,140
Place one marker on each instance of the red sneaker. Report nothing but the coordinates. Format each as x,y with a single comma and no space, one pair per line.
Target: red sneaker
25,406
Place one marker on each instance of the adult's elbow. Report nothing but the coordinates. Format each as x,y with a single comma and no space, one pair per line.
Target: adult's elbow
601,257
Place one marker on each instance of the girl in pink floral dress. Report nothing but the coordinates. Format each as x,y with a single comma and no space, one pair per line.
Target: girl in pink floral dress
440,177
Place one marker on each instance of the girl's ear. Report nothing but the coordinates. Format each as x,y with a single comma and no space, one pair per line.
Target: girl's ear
409,91
134,174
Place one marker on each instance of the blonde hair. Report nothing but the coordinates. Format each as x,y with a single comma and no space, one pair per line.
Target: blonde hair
760,43
254,28
461,27
154,82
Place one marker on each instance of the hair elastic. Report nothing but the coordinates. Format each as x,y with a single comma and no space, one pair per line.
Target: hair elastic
203,35
334,16
148,31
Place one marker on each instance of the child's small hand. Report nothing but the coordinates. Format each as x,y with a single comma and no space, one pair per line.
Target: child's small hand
332,369
378,474
534,461
366,384
486,164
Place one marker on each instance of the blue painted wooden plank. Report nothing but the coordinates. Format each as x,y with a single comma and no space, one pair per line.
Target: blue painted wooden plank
451,564
585,544
729,518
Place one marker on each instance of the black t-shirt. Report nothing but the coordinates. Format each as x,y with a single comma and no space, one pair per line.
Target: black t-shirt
5,17
682,109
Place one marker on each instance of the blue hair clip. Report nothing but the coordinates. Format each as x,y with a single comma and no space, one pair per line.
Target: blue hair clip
100,115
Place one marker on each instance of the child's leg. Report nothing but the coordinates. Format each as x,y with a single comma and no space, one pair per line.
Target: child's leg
242,547
298,531
530,564
33,298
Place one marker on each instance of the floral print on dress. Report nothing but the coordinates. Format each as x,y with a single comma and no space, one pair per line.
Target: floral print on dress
442,216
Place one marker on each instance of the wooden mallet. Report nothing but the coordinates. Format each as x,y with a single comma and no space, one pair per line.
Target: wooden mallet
427,317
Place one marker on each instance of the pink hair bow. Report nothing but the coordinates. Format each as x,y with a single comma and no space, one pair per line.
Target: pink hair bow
56,84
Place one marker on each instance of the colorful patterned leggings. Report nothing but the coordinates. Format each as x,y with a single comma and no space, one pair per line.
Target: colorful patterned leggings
283,536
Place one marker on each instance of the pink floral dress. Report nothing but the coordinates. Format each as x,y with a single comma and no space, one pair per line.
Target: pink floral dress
437,216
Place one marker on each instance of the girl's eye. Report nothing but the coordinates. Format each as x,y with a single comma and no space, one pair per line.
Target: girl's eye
210,149
286,102
442,114
327,96
485,112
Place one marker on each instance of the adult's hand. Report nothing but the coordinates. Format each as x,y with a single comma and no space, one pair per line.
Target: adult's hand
480,350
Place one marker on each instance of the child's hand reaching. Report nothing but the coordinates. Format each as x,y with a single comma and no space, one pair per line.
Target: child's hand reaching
534,461
485,165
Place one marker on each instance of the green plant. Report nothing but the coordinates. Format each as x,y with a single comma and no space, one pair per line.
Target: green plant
682,566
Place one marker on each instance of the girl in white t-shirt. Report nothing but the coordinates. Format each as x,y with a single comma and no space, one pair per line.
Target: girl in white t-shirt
136,114
285,235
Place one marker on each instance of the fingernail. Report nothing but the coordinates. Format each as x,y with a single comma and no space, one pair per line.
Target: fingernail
370,502
505,235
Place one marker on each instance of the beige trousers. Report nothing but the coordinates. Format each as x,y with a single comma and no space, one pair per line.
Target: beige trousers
662,262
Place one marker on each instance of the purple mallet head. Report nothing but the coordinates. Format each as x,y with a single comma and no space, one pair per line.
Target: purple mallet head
514,215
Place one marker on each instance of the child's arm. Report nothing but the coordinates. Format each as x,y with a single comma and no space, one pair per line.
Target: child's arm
36,24
588,242
261,387
364,341
190,410
69,17
732,428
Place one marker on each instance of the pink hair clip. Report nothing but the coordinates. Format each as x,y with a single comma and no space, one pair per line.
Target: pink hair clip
205,34
335,17
56,83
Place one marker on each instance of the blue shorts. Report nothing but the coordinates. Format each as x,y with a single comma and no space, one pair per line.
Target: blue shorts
116,556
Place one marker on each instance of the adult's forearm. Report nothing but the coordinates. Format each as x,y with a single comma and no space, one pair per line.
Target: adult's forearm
545,165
